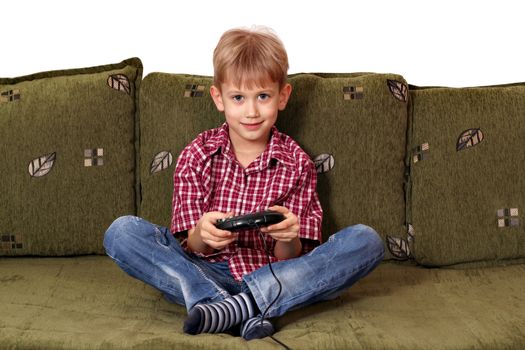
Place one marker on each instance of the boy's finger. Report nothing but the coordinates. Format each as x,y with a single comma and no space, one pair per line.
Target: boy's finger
223,233
215,215
278,232
279,226
280,209
213,230
221,238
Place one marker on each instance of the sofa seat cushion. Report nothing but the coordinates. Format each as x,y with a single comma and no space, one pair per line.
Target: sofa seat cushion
89,303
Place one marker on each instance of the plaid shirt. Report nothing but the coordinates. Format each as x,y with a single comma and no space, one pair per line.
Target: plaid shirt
209,178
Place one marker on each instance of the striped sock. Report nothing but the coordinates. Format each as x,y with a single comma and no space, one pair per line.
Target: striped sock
220,316
255,329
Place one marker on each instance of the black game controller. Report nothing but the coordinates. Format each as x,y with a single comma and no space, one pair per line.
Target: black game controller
253,220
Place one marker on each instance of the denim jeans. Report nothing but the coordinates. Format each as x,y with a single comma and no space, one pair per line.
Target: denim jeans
152,254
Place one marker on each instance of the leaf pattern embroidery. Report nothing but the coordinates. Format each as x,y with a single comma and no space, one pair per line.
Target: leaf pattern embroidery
42,165
119,82
398,247
398,89
469,138
161,161
324,163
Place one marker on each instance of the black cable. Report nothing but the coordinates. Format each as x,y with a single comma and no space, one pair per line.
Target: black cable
278,282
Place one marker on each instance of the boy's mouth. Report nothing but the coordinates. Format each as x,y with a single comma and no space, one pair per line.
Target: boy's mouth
253,126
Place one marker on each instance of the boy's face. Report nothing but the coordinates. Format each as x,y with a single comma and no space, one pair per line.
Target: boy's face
250,112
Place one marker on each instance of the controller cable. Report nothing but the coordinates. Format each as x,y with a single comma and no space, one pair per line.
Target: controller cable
263,239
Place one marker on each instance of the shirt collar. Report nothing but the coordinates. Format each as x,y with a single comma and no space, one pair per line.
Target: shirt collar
220,141
274,150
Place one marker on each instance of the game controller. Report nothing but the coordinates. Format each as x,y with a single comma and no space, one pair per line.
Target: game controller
253,220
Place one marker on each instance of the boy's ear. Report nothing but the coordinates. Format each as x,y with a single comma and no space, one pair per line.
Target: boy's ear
217,98
284,96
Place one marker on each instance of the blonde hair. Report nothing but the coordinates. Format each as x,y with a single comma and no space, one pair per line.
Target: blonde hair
250,56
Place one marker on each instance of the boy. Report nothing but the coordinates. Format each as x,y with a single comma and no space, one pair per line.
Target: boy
244,166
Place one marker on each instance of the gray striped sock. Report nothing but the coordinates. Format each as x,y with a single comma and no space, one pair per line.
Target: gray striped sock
220,316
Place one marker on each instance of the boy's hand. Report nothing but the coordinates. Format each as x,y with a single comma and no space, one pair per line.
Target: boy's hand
206,232
286,233
286,230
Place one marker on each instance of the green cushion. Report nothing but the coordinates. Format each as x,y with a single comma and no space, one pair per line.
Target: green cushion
174,109
68,157
359,119
90,303
467,166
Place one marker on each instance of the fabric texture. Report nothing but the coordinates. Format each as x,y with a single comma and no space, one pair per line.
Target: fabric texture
89,303
208,178
67,157
467,162
352,125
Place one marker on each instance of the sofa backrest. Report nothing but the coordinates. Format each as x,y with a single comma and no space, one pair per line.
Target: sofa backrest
174,110
352,125
436,171
467,169
67,157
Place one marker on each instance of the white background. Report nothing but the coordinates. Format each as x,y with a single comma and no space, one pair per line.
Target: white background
444,43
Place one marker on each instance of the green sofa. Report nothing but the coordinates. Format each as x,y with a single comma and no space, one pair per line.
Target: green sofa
437,171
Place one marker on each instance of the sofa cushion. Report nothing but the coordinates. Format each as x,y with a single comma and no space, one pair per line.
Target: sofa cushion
174,109
67,157
89,303
353,125
467,166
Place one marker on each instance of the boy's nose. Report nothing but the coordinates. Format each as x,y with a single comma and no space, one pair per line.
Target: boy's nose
251,110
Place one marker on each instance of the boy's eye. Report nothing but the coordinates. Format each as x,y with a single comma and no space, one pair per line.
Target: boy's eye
264,97
237,98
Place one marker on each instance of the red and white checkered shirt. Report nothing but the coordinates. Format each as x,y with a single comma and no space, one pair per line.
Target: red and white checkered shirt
209,178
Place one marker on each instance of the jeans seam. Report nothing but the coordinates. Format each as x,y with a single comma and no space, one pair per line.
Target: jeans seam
220,291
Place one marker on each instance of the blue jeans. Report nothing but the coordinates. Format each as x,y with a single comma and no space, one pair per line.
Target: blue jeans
153,255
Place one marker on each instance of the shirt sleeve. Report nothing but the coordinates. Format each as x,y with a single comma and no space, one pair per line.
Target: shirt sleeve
188,194
188,199
304,202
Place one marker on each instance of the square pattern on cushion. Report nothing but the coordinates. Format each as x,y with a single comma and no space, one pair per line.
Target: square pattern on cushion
68,157
353,125
467,166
